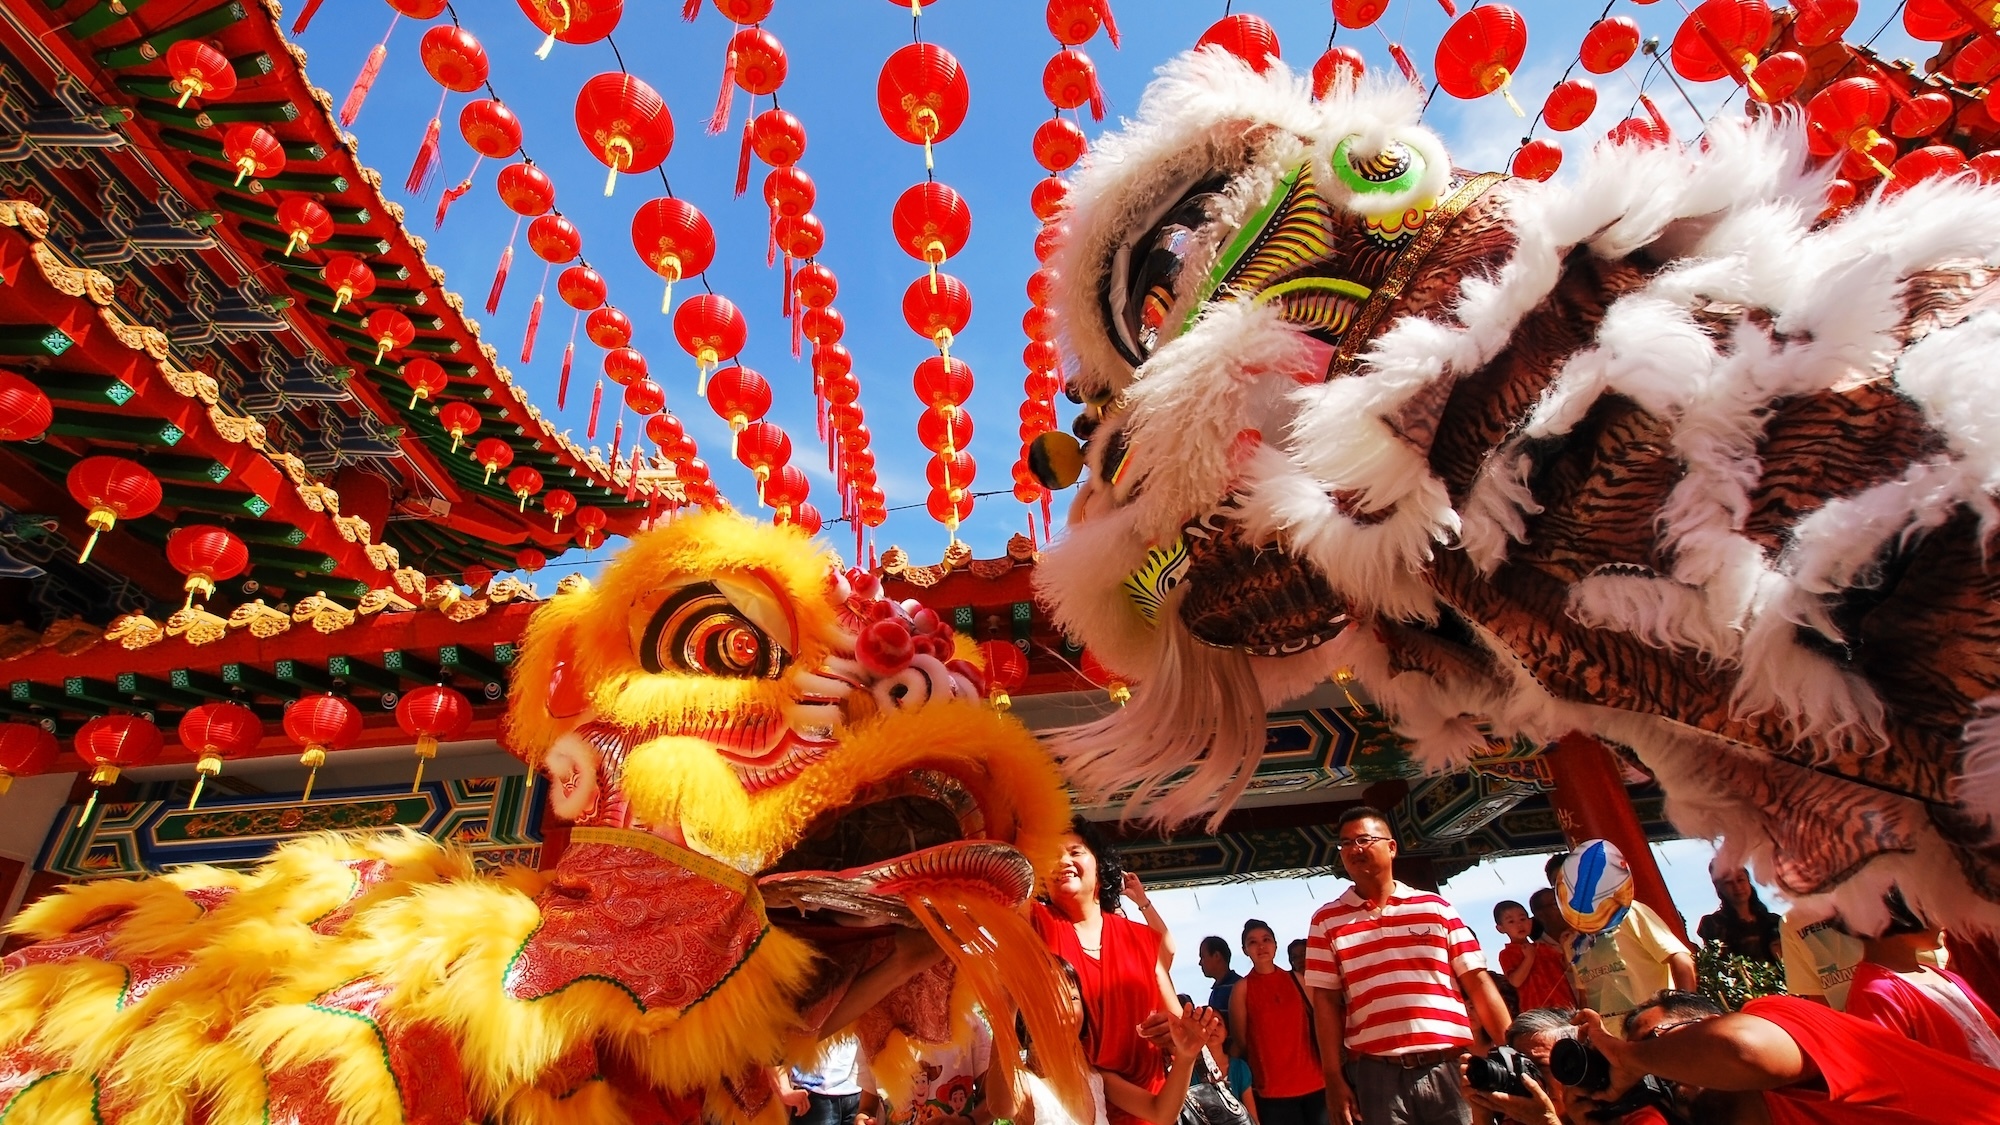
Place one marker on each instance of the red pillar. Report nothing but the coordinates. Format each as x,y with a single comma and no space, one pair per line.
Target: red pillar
1591,804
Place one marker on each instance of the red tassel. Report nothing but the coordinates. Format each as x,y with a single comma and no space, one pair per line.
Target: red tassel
500,278
1450,9
562,388
365,81
596,404
1110,22
771,242
452,195
305,16
1659,119
798,313
786,308
618,436
1096,100
429,159
724,98
632,477
534,322
1404,64
690,10
743,173
1046,525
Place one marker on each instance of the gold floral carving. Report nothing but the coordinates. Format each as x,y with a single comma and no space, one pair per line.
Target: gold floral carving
465,609
138,337
374,180
294,468
354,529
239,429
73,280
197,624
25,215
421,245
381,598
382,556
573,584
411,581
262,621
319,497
326,615
71,635
191,384
135,631
507,588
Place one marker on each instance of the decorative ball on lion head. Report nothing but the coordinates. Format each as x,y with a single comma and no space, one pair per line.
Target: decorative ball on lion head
1594,887
1609,453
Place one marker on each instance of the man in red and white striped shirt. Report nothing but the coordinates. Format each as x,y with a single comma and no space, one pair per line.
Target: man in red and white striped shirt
1385,964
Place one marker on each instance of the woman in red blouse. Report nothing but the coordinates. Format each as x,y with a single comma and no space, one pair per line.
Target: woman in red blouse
1118,961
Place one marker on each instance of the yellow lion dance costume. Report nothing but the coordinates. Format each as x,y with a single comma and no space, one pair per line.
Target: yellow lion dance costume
775,778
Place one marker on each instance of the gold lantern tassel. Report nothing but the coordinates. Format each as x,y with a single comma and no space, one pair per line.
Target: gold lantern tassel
549,44
934,254
1343,677
298,241
100,520
927,122
427,748
208,767
312,759
105,774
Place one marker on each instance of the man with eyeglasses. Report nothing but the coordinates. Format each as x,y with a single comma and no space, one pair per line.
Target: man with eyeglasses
1385,966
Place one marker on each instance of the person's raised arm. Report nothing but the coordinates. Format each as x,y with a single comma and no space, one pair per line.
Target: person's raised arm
1732,1053
1330,1024
1190,1033
1680,967
1135,889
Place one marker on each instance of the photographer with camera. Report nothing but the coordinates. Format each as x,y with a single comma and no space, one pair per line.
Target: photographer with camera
1511,1083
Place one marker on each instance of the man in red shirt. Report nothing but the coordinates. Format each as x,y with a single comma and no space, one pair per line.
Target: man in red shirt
1793,1062
1385,964
1269,1017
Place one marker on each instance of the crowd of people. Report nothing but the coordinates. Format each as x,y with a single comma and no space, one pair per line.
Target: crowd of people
1387,1013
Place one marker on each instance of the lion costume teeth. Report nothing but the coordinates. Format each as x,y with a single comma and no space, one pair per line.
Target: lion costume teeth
707,726
1654,454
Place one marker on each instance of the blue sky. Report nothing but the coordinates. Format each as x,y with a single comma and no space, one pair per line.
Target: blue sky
836,48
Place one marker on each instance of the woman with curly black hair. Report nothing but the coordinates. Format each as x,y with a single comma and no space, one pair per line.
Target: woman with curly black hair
1120,964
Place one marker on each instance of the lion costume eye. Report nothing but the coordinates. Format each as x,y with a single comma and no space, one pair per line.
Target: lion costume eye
1142,284
722,627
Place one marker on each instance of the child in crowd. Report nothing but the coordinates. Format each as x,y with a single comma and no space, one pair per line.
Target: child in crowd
1536,967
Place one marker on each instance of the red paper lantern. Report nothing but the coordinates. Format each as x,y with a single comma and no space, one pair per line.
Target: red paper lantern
1609,44
1570,104
1042,287
948,511
938,310
1073,22
1480,52
590,522
1926,163
425,378
572,21
454,58
931,223
1357,14
743,11
1006,671
788,192
554,239
198,70
526,190
1939,21
321,723
304,222
390,330
459,419
815,285
756,61
1819,22
624,366
1722,38
1070,79
778,138
1048,240
945,433
739,396
1845,116
1047,198
1059,144
1041,355
433,714
206,555
350,278
1246,36
1537,160
25,750
645,397
111,489
786,490
559,502
25,412
624,123
214,731
763,448
802,237
1921,115
1040,325
709,327
110,744
943,384
581,288
608,328
530,560
831,361
493,454
674,239
823,326
1340,67
1027,489
951,474
524,481
923,95
806,518
252,151
666,431
490,128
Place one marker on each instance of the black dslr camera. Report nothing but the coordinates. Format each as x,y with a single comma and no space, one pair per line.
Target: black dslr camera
1580,1066
1501,1072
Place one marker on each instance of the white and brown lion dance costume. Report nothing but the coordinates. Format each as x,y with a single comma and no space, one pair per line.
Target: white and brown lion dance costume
1656,453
